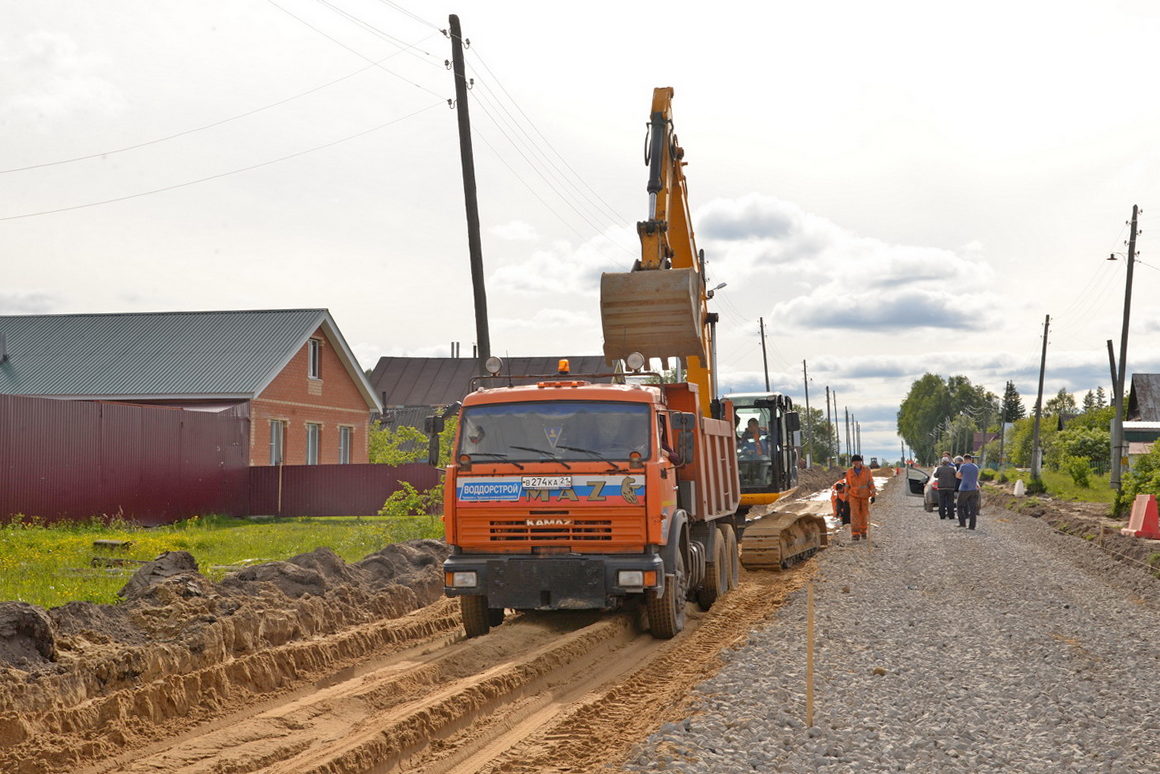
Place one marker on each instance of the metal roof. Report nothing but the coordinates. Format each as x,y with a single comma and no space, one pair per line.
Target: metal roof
1144,400
153,355
441,381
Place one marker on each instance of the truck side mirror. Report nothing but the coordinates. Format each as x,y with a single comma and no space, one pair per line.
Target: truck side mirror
793,421
433,426
684,424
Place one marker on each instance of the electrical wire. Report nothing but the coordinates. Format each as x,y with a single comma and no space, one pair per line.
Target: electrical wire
413,16
220,175
211,125
537,170
403,46
354,51
477,55
492,100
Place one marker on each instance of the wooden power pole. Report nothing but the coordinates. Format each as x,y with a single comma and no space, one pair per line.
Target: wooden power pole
1036,462
764,359
467,159
1119,448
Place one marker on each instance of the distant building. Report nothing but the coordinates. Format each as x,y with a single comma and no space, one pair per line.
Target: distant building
289,372
409,388
1142,418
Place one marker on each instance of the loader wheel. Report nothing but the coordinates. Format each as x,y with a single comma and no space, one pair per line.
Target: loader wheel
495,616
732,555
716,581
473,611
666,613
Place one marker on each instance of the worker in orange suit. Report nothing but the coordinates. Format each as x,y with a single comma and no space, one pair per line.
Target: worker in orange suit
840,502
860,487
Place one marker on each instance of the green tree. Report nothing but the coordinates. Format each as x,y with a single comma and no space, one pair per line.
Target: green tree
1062,403
924,408
1089,401
1101,398
820,445
397,446
1012,407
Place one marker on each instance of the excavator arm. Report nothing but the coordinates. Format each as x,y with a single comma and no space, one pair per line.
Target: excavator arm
660,308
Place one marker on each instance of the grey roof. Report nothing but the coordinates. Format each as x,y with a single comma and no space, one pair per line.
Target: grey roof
1144,400
441,381
151,355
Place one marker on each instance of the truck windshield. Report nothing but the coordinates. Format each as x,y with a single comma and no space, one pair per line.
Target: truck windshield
565,430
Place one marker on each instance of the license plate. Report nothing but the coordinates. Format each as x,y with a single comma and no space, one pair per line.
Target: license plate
547,482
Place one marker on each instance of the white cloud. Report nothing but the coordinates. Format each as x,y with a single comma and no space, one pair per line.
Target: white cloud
50,77
564,268
26,303
515,231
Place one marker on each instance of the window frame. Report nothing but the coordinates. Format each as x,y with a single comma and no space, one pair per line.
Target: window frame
345,442
277,444
314,358
313,442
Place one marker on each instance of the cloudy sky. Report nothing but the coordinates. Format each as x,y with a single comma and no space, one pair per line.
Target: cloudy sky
896,188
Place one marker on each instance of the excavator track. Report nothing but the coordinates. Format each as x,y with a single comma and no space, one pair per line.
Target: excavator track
777,539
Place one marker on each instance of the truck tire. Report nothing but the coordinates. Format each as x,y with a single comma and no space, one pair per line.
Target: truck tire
666,613
495,616
732,555
716,581
473,611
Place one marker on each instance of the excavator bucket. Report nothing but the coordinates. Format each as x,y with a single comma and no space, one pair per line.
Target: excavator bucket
656,313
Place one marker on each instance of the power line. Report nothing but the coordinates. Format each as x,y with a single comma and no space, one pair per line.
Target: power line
211,125
354,51
416,17
404,47
225,174
536,129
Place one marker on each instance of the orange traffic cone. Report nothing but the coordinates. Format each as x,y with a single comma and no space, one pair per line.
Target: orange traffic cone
1144,522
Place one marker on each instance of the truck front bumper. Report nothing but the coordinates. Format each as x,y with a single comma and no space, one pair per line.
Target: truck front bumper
565,582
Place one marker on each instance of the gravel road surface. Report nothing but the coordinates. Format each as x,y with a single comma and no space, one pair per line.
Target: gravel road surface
1005,649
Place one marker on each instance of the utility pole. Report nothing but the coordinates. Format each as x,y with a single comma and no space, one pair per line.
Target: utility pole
809,435
764,359
858,435
829,426
467,160
1118,445
1035,461
849,447
837,432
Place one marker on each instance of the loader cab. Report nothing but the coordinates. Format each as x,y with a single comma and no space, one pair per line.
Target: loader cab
766,434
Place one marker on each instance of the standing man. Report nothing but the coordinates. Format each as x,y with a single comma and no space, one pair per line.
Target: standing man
861,490
945,475
968,476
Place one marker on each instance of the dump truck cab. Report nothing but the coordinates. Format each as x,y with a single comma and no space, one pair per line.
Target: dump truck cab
568,494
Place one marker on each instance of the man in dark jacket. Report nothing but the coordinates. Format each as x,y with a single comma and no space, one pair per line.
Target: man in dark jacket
945,476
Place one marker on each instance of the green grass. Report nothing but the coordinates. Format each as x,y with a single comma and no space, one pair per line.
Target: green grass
51,565
1060,486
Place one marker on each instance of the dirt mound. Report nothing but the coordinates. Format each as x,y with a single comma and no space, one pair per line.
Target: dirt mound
83,680
26,636
817,478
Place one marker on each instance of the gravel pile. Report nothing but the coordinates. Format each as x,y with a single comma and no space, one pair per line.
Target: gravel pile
1006,649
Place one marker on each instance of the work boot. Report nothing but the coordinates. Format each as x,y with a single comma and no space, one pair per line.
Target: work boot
857,537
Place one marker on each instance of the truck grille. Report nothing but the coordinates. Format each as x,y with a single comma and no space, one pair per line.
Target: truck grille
545,530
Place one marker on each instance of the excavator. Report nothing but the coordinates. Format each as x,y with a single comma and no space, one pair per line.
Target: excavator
660,310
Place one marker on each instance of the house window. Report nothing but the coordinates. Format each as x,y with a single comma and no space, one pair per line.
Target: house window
277,442
313,435
344,435
314,352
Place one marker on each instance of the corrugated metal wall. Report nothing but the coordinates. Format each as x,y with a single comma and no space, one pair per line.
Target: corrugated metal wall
73,460
332,490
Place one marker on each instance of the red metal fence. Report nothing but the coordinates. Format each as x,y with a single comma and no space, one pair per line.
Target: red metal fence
71,460
331,490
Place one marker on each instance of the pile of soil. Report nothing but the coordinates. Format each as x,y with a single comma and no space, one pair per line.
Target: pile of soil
1087,521
179,642
818,478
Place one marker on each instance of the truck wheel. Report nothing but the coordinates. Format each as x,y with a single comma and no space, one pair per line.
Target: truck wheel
716,581
473,611
666,614
495,616
732,555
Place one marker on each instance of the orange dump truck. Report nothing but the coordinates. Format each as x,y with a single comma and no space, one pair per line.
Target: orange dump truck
567,494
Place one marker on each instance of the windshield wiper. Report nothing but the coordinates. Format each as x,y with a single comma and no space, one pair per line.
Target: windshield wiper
595,454
494,454
546,453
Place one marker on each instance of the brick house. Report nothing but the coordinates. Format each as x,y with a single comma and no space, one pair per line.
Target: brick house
288,372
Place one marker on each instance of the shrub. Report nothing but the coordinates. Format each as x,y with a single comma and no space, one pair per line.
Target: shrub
1078,468
986,474
1002,479
1036,486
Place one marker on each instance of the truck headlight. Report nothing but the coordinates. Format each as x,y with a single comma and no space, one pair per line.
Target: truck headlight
630,578
463,580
